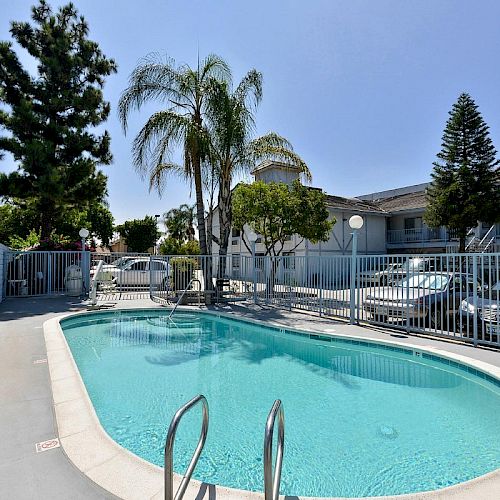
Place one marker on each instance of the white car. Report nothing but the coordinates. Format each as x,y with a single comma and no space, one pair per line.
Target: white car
136,272
388,274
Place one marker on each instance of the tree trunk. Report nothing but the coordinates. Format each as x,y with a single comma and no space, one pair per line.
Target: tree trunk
47,218
206,264
225,220
461,243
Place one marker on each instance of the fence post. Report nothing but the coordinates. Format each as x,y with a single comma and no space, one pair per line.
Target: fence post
474,297
320,262
49,272
86,271
353,276
254,273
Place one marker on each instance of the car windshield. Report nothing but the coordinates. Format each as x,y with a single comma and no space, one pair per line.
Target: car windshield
121,262
393,267
414,264
426,281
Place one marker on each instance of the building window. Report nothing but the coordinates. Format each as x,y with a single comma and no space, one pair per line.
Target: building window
289,260
235,265
235,233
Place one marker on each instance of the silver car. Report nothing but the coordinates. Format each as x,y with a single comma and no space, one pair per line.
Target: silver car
486,312
422,296
137,272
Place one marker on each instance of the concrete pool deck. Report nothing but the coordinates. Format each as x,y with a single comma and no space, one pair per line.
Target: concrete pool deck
27,416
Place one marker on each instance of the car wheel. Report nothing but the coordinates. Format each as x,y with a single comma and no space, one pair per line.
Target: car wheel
435,319
379,318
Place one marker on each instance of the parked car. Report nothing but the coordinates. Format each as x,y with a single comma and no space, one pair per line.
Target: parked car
427,297
388,273
120,263
136,272
486,312
396,271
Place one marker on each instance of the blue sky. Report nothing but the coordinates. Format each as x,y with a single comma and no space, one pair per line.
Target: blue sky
362,88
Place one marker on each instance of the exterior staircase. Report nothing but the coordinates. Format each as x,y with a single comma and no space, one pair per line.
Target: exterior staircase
474,244
486,244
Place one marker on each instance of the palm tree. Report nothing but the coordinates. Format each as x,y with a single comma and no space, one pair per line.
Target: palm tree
184,92
231,127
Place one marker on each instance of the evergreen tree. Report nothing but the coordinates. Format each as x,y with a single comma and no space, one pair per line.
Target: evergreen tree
465,180
49,117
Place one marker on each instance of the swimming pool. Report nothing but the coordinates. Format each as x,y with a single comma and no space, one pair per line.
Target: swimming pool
361,419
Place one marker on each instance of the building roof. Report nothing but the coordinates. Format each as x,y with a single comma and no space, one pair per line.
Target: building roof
391,193
271,164
409,201
354,204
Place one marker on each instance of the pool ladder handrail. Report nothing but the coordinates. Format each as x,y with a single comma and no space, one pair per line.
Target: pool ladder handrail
272,481
169,449
182,295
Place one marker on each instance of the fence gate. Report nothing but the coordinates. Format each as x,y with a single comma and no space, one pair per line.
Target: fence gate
29,274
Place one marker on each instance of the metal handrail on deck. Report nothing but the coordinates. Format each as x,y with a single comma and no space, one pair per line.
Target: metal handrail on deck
182,295
169,449
272,481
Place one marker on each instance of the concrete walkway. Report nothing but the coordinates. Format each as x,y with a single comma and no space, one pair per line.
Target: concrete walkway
26,415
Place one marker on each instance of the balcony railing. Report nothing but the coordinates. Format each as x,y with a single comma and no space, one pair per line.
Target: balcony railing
422,235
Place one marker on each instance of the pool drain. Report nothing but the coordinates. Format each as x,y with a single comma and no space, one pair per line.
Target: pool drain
388,432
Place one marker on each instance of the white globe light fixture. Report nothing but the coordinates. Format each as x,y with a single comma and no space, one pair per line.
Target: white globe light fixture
84,233
252,237
356,222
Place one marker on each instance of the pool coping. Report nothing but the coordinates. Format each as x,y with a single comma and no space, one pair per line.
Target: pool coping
119,471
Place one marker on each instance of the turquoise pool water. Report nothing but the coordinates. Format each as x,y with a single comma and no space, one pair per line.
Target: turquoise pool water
361,420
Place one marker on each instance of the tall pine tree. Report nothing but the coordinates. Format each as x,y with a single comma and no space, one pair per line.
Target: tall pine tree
50,117
465,181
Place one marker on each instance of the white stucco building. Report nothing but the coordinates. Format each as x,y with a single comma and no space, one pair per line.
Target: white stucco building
393,223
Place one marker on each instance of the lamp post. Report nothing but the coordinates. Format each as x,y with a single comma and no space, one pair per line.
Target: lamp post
355,223
84,234
252,238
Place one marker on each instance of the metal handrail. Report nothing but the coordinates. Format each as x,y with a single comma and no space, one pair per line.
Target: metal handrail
272,481
492,228
183,293
95,280
169,449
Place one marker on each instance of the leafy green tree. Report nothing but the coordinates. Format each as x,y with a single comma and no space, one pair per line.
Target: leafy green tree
179,222
171,246
98,219
50,117
140,234
277,211
17,221
233,150
185,92
465,180
18,243
190,247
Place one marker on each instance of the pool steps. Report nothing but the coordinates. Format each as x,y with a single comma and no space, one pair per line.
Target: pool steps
271,481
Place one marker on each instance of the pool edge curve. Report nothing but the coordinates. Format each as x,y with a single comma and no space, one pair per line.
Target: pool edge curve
119,471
